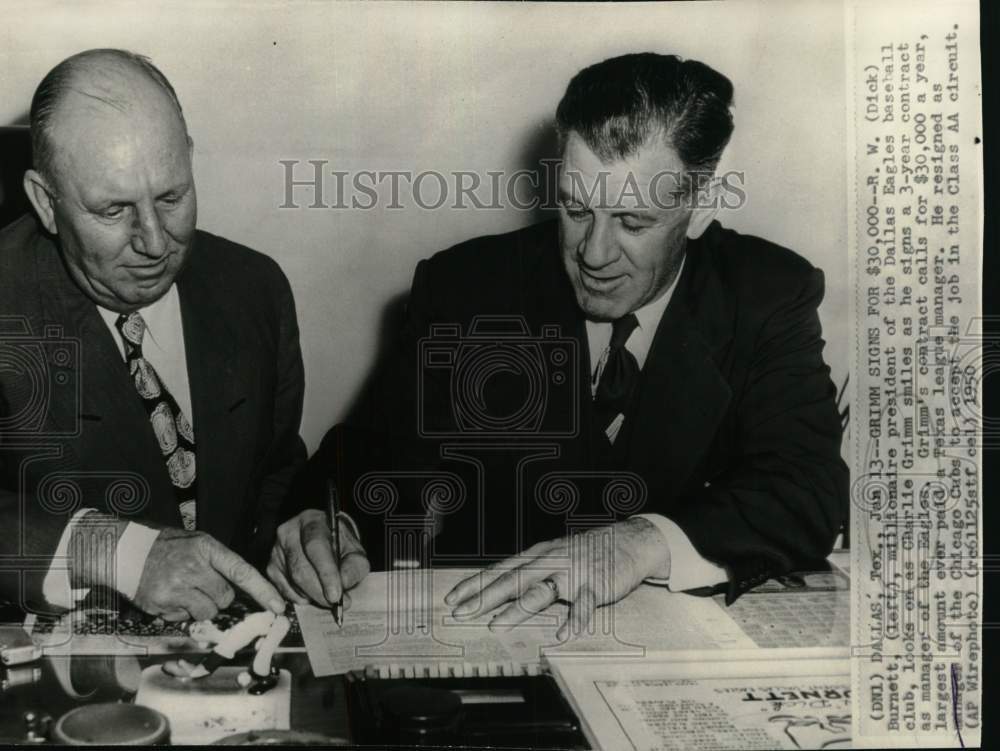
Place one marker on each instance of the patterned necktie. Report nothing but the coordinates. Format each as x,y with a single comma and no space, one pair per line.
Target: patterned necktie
172,429
619,377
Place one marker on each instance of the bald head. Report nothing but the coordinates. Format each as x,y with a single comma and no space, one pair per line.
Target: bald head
92,86
113,180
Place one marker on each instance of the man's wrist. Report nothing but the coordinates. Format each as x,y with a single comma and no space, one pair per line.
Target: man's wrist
651,551
688,568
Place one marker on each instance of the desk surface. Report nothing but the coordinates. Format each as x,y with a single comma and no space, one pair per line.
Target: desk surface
55,685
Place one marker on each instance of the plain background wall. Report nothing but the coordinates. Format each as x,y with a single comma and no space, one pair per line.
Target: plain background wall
445,87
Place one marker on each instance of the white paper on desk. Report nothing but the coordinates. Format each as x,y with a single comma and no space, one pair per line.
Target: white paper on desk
665,705
654,620
398,621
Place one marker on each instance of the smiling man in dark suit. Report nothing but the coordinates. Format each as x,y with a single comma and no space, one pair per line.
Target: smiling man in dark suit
678,359
153,382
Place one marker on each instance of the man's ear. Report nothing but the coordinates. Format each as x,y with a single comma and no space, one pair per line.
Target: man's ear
706,206
41,196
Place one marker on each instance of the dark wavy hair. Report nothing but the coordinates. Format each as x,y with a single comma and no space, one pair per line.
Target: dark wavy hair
618,104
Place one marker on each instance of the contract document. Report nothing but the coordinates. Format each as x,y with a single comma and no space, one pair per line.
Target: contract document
398,625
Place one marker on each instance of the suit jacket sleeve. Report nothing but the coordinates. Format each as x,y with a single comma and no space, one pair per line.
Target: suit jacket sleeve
29,540
782,502
29,532
287,452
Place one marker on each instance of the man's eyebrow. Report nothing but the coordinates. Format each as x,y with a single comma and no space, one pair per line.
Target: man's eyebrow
106,202
175,190
643,215
565,195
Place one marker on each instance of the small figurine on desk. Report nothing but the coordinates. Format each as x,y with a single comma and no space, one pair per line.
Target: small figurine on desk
266,627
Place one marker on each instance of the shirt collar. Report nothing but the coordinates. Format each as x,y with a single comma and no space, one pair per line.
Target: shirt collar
641,340
649,315
157,314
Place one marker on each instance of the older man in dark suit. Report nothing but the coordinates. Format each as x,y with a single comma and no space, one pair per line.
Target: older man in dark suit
153,382
663,406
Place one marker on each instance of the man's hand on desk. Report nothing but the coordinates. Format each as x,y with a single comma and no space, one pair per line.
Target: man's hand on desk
184,575
586,570
303,565
192,575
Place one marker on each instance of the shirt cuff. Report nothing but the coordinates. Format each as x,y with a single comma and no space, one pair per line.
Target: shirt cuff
130,556
688,569
131,552
56,586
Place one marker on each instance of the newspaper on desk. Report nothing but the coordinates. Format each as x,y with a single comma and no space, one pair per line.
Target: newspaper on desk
786,701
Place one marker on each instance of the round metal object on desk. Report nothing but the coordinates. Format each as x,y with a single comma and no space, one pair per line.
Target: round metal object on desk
112,725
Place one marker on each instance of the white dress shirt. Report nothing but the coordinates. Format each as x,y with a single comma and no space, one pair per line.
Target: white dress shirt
163,347
688,569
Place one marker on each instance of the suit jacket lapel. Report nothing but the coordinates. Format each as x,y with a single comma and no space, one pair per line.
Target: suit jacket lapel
684,395
219,392
551,301
106,394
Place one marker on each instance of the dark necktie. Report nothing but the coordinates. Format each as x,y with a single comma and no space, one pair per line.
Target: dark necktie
619,377
172,429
